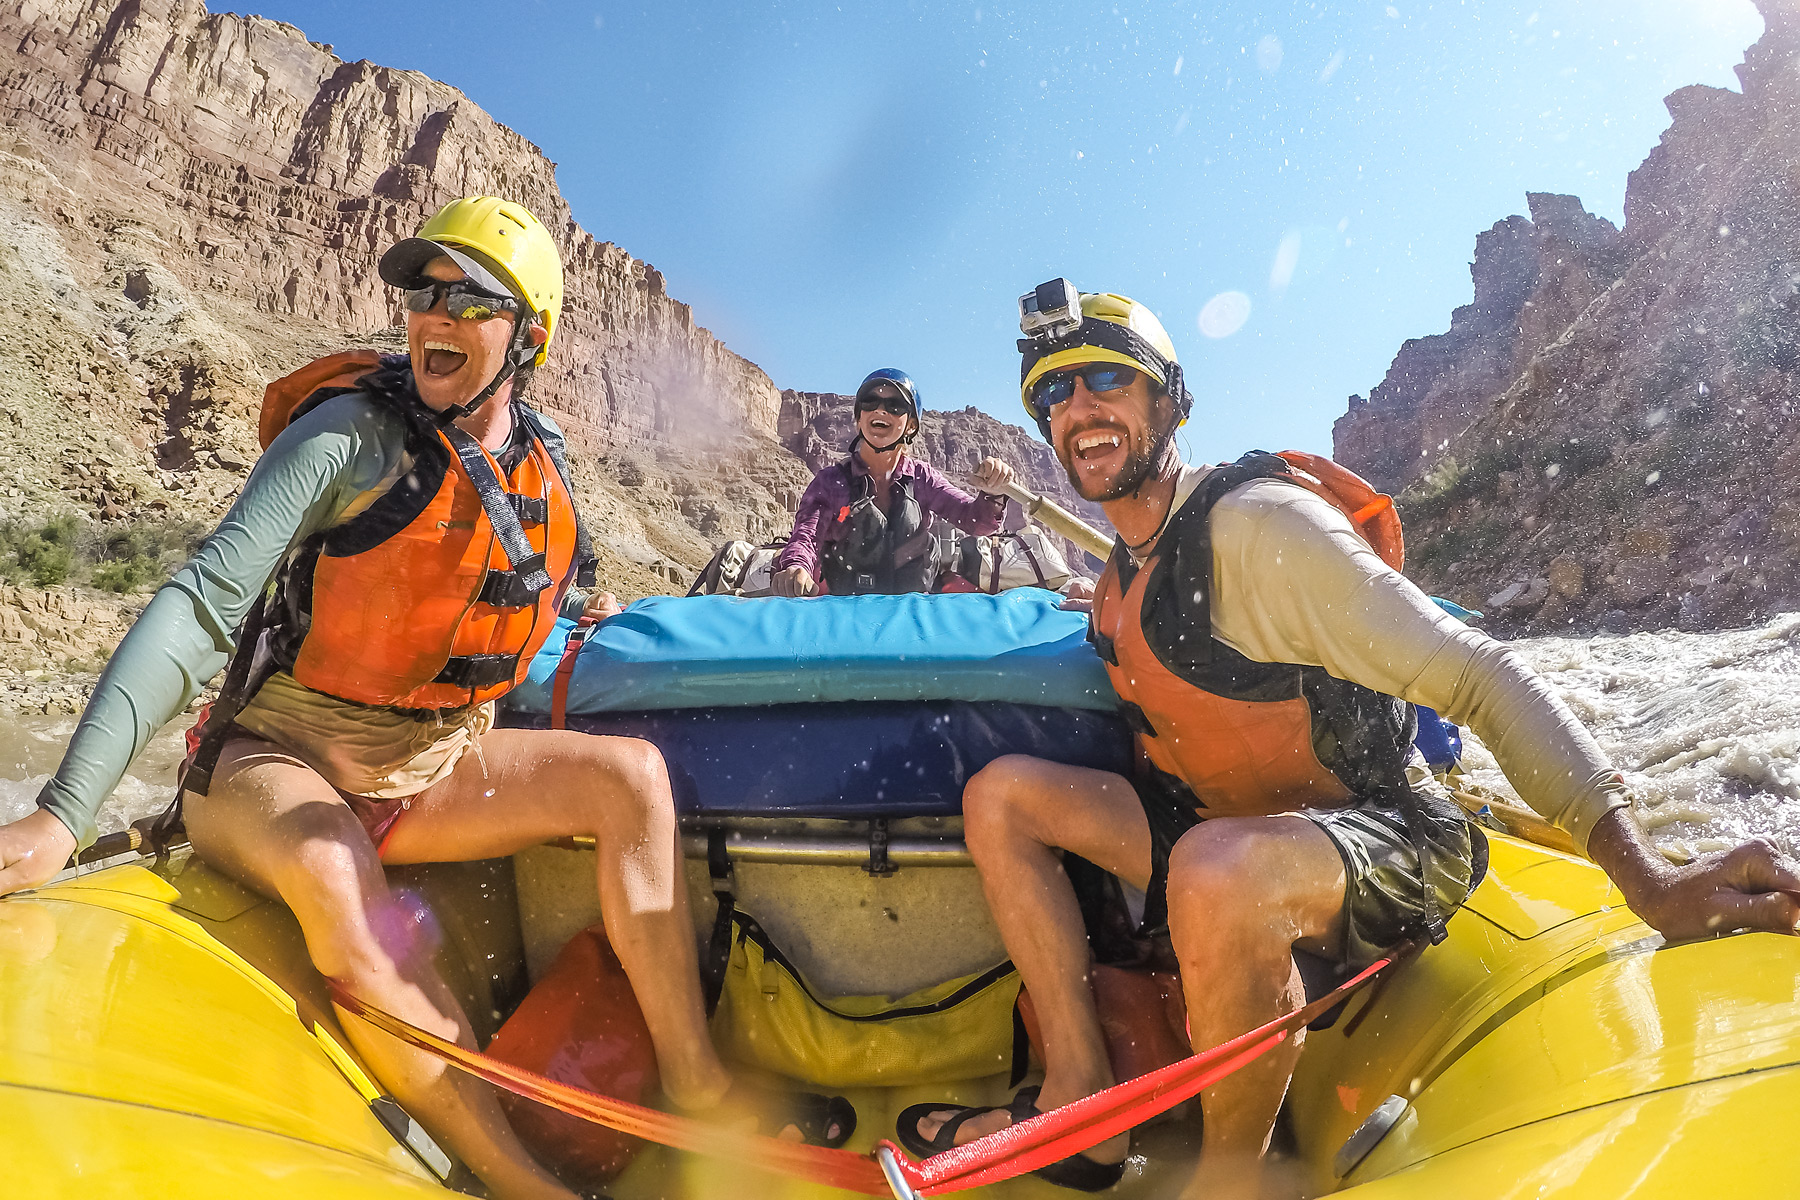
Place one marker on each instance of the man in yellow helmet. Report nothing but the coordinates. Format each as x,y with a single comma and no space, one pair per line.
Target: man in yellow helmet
1261,648
393,563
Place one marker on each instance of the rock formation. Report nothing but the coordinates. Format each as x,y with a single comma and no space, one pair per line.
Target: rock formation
194,202
1532,278
1607,436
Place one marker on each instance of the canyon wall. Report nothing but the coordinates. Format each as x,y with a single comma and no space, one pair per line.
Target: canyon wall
1608,437
194,202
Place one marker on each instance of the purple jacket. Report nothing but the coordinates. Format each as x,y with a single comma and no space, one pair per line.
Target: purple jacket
823,507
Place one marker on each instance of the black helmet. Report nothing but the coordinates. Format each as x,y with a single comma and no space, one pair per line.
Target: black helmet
899,380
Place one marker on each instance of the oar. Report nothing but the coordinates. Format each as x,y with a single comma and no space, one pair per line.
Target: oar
1054,516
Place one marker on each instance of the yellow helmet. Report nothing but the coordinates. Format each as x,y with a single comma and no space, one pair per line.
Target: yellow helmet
498,244
1113,328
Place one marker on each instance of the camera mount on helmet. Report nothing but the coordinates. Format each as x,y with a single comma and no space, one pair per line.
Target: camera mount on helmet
1049,312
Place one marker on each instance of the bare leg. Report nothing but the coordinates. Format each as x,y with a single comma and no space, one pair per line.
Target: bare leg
1242,892
1017,811
272,822
528,786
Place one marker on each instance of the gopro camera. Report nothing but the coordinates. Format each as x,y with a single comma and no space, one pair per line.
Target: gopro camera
1050,311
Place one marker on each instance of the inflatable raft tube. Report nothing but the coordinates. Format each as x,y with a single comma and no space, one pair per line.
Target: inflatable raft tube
162,1031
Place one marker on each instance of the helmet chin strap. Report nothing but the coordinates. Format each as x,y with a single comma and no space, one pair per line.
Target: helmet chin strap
903,440
519,351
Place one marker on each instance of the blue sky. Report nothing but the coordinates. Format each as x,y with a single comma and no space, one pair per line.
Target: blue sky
840,187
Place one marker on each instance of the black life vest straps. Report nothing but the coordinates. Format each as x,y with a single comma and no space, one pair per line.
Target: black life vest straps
527,564
244,677
585,561
718,947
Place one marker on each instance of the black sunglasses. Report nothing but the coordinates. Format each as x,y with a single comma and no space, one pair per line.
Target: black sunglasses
1056,387
894,406
462,300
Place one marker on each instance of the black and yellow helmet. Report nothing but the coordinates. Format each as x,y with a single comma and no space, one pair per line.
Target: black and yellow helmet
1113,328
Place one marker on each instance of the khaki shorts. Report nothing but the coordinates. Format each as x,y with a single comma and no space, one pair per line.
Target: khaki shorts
375,757
1384,896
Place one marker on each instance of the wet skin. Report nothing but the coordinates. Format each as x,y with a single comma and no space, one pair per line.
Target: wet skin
454,358
1242,891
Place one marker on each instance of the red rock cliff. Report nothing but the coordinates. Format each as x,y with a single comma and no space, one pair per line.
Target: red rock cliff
1608,437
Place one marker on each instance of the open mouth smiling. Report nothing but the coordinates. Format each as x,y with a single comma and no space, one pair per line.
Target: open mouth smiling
1096,443
441,358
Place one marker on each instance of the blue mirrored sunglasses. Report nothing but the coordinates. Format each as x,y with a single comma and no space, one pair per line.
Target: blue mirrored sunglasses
462,300
1058,386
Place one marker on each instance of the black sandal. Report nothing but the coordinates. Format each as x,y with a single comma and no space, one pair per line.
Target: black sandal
1077,1171
812,1113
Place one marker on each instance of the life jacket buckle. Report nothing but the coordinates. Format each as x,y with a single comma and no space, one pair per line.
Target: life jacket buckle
531,510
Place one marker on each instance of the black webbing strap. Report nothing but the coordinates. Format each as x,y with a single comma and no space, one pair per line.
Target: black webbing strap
1037,568
1414,813
504,589
476,464
241,684
585,561
718,950
1021,1048
475,671
1030,558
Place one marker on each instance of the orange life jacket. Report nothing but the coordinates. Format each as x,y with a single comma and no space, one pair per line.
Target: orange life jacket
283,397
434,615
1246,736
436,595
432,597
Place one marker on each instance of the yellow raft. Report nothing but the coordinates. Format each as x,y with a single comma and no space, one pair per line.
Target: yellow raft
162,1033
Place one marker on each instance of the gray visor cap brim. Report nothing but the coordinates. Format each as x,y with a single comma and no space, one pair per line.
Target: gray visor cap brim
403,265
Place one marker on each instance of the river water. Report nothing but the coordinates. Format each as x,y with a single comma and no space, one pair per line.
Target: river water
1706,727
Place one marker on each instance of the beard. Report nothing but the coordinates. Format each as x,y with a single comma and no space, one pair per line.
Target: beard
1141,464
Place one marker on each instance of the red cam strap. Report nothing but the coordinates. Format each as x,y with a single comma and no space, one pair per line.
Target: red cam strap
833,1168
1087,1122
1012,1151
565,671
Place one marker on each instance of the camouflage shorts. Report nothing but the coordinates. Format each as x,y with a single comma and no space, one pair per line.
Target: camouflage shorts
1384,898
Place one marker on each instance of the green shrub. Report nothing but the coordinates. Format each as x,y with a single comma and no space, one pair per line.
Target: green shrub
119,556
126,574
45,561
45,554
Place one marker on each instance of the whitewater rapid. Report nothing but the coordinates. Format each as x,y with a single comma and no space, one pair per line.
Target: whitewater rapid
1705,726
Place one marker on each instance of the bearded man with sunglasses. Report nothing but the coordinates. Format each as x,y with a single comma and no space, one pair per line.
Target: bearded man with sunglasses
1261,648
393,563
864,524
